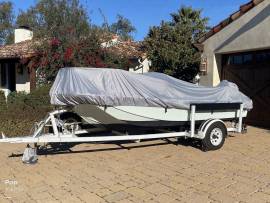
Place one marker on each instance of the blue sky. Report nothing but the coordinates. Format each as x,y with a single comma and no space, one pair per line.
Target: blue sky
146,13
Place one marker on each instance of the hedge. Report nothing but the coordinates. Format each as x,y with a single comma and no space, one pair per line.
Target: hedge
20,111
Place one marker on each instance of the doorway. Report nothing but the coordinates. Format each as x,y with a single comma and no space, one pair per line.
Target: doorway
8,76
11,72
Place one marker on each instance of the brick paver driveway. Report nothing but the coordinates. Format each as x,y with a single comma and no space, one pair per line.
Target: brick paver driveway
153,171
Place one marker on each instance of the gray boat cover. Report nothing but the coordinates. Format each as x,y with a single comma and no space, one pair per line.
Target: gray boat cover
115,87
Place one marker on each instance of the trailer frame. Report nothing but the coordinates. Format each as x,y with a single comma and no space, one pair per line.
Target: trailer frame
64,137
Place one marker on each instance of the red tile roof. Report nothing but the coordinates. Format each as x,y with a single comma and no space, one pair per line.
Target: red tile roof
18,50
25,49
243,9
128,49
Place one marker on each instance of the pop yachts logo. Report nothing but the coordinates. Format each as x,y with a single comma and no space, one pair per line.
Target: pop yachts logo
12,185
10,182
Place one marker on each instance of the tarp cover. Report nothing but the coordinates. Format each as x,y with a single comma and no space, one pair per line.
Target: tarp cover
114,87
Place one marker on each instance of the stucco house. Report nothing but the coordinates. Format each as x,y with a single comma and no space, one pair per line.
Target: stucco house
131,49
16,76
238,50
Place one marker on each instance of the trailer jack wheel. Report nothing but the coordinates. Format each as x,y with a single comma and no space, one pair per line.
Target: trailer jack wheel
214,137
30,155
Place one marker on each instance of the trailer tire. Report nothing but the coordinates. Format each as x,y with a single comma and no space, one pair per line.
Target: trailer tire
68,117
215,136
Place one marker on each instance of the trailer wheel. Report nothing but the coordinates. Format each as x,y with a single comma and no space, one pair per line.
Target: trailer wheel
215,136
68,117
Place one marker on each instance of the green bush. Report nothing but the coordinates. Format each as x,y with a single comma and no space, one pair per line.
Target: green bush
23,110
37,98
3,103
16,98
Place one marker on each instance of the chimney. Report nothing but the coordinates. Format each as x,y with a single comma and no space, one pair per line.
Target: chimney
22,33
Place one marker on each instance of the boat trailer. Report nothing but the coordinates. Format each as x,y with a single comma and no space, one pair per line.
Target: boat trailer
214,130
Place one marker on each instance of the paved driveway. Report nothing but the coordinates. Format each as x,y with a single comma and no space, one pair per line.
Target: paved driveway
153,171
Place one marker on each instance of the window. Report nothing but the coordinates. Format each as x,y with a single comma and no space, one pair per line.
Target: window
3,74
262,57
237,60
247,58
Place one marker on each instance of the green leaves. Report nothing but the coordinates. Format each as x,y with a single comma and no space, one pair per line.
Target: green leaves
56,18
63,34
6,22
67,38
122,27
170,48
18,115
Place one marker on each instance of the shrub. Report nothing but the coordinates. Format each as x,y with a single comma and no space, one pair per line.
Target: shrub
3,104
23,110
16,98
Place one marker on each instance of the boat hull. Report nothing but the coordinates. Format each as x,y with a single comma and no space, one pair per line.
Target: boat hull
147,117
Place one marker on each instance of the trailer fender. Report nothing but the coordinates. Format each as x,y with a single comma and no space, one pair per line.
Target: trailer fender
206,124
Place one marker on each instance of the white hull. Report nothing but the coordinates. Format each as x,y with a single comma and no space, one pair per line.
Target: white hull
138,114
134,113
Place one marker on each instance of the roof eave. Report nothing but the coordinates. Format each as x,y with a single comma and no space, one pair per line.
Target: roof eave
242,10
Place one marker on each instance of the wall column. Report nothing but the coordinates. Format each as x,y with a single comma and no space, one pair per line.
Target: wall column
32,79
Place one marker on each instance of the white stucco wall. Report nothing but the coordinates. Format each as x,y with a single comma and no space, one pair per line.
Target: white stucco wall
247,33
143,67
23,81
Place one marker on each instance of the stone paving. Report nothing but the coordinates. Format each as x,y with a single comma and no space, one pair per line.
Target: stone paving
152,171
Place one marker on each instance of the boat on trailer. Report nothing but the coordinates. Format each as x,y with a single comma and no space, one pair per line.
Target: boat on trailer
136,107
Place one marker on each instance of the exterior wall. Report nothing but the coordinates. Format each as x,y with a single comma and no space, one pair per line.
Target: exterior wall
32,76
207,78
249,32
23,81
143,67
217,70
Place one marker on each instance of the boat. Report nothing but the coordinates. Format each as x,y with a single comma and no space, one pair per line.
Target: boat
119,99
137,106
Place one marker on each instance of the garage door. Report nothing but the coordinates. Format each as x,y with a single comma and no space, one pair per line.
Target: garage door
251,72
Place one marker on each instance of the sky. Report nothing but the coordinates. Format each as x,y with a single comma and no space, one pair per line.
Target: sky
146,13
